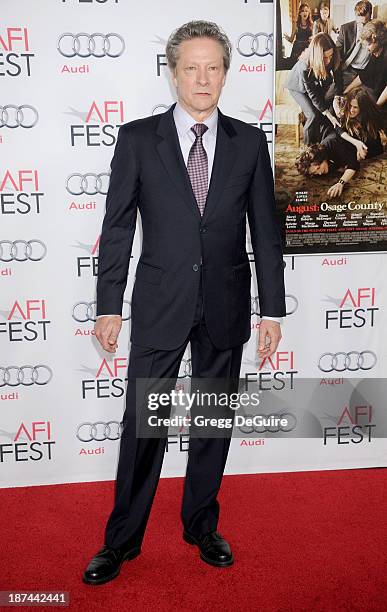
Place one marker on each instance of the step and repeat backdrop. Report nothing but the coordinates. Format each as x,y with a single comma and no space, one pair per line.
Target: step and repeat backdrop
72,72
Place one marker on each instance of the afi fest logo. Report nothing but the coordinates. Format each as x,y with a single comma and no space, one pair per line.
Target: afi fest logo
109,380
354,426
20,192
355,309
26,321
274,373
263,118
87,265
15,52
32,442
100,124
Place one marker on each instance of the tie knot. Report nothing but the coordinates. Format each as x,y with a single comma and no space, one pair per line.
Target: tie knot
199,129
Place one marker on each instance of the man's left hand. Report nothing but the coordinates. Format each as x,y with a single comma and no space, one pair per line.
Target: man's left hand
335,191
269,337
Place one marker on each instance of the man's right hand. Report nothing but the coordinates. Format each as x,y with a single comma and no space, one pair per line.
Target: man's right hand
107,329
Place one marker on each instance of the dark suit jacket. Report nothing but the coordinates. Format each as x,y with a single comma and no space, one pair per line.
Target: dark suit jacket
302,79
148,172
346,39
374,75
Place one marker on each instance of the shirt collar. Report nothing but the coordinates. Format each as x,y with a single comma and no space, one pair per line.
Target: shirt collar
184,121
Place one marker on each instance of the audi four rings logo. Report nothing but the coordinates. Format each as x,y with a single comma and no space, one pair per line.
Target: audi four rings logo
26,375
21,250
260,44
87,45
99,431
291,424
291,305
86,311
89,183
353,361
25,116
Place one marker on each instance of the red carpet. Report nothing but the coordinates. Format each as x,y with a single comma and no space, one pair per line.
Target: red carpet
311,541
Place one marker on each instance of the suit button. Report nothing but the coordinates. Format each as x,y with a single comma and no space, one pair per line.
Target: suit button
203,230
195,267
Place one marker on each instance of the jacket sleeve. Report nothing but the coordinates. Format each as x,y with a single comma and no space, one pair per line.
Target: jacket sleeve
118,227
374,75
340,43
314,91
339,83
265,237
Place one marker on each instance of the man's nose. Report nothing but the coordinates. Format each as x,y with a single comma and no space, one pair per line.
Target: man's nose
202,77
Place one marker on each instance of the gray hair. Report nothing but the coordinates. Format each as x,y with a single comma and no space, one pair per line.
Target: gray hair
197,29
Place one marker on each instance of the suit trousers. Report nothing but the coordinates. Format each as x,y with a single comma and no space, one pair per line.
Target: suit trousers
140,459
317,126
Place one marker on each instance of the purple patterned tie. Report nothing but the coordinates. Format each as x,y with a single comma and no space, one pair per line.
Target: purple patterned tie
197,166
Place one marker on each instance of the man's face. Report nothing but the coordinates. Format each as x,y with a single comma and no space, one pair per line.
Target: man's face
318,169
199,75
373,48
363,19
328,55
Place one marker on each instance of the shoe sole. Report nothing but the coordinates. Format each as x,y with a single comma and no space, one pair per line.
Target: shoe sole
132,554
190,540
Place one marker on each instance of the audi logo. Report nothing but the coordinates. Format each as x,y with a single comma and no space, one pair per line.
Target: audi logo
290,300
185,368
353,361
99,431
260,44
291,424
21,250
26,375
12,116
86,311
89,183
87,45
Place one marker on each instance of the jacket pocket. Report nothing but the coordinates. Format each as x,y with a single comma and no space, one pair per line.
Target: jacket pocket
242,270
148,273
240,179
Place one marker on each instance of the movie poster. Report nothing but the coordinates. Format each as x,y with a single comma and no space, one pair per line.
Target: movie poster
330,135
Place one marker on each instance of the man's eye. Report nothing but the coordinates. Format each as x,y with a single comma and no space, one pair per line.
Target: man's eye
190,67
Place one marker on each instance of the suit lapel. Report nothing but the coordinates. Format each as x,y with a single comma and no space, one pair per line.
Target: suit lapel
225,156
171,156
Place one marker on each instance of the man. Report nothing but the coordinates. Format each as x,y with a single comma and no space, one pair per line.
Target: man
354,55
374,76
194,174
330,155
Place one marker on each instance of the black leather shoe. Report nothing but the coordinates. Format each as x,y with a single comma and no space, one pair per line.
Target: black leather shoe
106,564
214,549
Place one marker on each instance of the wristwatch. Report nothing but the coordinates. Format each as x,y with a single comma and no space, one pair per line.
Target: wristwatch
341,182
